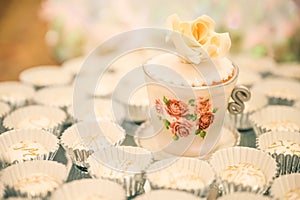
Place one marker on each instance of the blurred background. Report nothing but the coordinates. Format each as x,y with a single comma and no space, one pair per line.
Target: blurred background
37,32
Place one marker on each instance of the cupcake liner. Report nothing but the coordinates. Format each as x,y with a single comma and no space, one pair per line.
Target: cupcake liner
244,196
58,96
288,162
163,173
16,94
48,118
144,138
279,91
4,110
242,121
12,175
45,75
84,138
166,194
77,173
276,118
288,70
234,155
284,184
248,77
125,165
2,190
73,65
9,138
109,190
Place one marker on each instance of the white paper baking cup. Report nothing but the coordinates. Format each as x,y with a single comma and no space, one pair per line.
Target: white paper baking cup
278,90
44,138
288,163
45,75
73,65
39,117
288,70
2,190
166,194
125,165
234,155
162,175
16,94
4,109
284,184
248,77
241,121
89,188
84,138
12,174
275,118
58,96
244,196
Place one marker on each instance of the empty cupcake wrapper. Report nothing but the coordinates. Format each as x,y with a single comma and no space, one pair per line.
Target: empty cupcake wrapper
288,163
124,165
244,196
16,172
46,139
193,165
167,194
285,184
234,155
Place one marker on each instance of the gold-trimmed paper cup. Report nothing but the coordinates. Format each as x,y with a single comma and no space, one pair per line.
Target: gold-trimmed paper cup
16,94
36,117
186,174
284,147
33,179
257,161
89,189
84,138
166,194
125,165
27,144
286,187
275,118
244,196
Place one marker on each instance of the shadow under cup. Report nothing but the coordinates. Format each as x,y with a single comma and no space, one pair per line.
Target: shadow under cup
186,120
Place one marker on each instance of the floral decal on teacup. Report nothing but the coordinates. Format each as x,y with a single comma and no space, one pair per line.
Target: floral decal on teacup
183,119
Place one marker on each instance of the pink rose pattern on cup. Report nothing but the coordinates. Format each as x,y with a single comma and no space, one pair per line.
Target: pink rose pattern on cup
181,117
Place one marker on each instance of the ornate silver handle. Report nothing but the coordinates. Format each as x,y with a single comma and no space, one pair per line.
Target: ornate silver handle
240,94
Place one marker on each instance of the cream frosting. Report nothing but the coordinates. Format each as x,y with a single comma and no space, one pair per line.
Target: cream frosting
36,122
25,150
284,147
293,194
244,173
36,184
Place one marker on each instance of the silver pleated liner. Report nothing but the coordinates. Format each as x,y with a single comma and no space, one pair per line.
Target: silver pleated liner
288,164
280,101
77,173
79,157
241,121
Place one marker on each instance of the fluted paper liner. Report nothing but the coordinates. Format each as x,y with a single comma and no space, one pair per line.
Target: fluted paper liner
234,155
242,121
4,109
12,174
16,94
288,163
284,184
244,196
125,165
81,189
56,116
73,65
198,168
288,70
87,135
9,138
267,118
166,194
2,190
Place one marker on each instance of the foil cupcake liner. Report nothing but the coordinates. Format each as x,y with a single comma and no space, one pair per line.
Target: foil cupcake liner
13,173
234,155
56,116
77,173
124,165
284,184
244,196
84,138
197,167
73,190
45,76
16,94
9,138
275,118
166,194
288,163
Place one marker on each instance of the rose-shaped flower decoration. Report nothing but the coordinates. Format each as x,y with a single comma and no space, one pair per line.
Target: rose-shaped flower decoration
177,108
197,40
203,106
181,128
205,120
